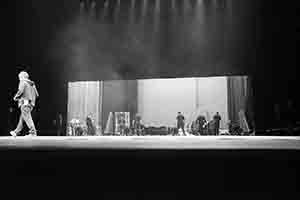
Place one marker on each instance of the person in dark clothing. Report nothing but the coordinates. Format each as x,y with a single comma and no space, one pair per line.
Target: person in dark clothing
58,122
137,125
290,117
91,129
180,122
217,119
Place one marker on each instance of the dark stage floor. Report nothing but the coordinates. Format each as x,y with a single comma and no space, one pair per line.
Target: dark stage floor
205,165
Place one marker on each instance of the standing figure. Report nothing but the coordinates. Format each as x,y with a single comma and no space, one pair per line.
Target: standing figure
26,97
180,122
91,129
137,126
290,117
195,127
217,119
58,124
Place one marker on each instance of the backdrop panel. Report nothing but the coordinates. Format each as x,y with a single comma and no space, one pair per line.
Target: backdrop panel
84,98
159,100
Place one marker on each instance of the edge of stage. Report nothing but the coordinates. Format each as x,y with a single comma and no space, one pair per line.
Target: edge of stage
153,142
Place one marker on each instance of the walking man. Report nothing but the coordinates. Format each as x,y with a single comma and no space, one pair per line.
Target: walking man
26,97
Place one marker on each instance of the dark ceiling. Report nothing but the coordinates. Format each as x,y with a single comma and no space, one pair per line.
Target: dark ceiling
224,38
253,37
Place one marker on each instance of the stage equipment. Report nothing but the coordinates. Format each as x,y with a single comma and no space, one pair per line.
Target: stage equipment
76,128
137,127
235,129
243,122
122,123
109,128
156,130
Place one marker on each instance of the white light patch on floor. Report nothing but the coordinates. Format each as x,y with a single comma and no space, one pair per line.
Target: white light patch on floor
154,142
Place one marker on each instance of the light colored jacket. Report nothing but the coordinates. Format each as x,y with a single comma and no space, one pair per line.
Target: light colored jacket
26,92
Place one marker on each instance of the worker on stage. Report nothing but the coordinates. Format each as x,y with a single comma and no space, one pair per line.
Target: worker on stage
201,122
217,119
180,122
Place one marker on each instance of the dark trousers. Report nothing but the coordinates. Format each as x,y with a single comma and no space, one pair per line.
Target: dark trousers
181,125
217,129
60,131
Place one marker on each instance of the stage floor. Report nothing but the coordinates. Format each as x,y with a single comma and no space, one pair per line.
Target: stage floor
152,142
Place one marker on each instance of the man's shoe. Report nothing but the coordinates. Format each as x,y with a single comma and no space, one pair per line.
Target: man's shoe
13,133
31,135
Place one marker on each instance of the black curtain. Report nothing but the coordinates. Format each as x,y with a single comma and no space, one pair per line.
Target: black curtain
119,96
250,104
240,97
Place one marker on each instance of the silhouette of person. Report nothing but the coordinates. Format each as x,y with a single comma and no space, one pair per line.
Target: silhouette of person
180,122
217,119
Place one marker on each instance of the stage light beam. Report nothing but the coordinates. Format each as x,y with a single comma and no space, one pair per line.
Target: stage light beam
199,2
144,11
156,16
117,11
92,11
105,10
82,8
187,6
132,6
173,6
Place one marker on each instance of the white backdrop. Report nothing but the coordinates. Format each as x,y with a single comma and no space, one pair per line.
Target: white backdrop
84,99
159,100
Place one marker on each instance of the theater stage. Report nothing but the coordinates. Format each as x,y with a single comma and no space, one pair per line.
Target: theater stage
152,142
230,163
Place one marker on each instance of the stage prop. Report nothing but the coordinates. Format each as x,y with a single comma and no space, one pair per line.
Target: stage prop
243,122
109,128
122,123
118,123
77,127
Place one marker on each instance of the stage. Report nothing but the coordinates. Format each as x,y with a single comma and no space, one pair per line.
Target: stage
234,163
153,142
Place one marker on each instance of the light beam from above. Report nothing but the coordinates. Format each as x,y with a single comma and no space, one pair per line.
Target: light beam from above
144,11
105,10
156,16
132,7
117,11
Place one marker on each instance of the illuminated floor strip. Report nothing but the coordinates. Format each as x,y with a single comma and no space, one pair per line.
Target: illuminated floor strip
154,142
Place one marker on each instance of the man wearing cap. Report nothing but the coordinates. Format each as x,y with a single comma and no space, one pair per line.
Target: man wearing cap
26,97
